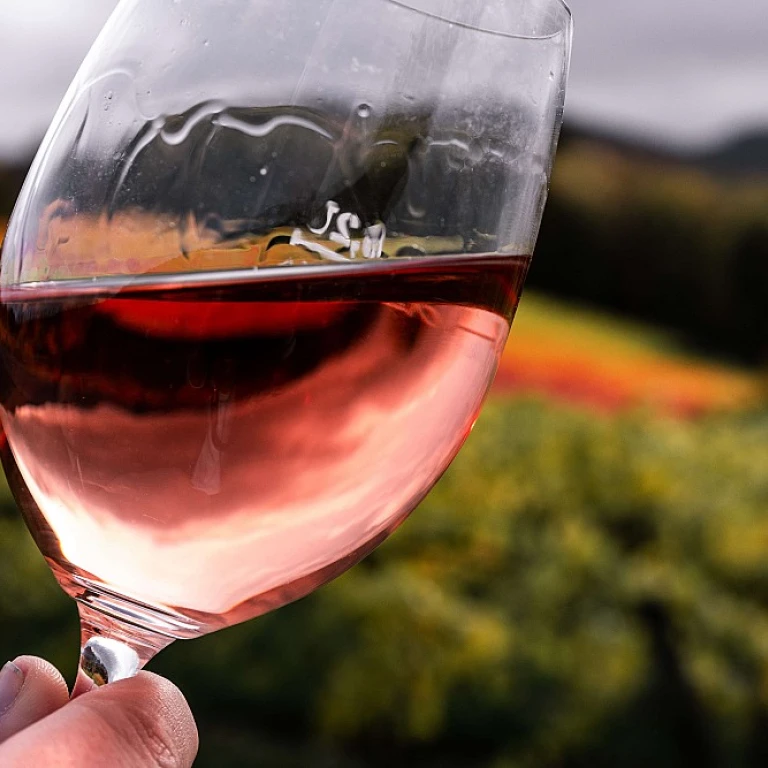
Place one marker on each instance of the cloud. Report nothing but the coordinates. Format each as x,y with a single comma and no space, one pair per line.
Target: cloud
686,71
42,43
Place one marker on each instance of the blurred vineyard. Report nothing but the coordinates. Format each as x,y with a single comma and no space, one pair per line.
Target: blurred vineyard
661,240
588,584
578,590
596,360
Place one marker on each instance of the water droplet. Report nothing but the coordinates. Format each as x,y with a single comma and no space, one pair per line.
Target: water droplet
476,152
455,160
364,111
417,211
263,171
110,95
274,155
252,179
178,135
261,130
551,75
206,43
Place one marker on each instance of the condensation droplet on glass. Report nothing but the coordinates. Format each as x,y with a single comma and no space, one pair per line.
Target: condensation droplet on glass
252,179
206,43
263,171
364,111
551,75
416,211
110,95
274,155
454,161
476,152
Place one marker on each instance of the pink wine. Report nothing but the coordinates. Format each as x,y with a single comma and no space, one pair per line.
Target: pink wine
215,445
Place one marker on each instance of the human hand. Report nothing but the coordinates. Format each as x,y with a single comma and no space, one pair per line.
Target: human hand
139,723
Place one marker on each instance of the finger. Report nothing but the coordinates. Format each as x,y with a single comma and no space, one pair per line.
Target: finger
83,684
30,689
143,722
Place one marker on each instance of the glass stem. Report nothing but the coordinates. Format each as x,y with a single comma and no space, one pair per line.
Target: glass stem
112,650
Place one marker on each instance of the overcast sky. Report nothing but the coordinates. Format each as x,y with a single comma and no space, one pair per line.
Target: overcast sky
682,71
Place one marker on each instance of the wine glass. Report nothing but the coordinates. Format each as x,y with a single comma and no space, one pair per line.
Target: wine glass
255,290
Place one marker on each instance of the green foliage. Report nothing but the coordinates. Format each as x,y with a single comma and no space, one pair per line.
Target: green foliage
35,616
662,242
577,590
572,583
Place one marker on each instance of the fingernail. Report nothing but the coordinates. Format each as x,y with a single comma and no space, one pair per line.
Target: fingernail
11,682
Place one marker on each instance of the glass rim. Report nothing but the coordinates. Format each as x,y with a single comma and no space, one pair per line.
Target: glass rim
561,30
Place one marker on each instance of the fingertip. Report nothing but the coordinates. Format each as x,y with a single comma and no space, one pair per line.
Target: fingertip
177,712
43,673
144,721
175,706
41,690
83,684
150,713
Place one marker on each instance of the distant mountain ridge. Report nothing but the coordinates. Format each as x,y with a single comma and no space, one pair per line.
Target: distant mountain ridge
745,154
11,179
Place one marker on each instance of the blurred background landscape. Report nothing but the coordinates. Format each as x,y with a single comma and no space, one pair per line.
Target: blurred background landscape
588,585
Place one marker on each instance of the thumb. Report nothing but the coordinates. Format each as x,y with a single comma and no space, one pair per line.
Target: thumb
142,722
